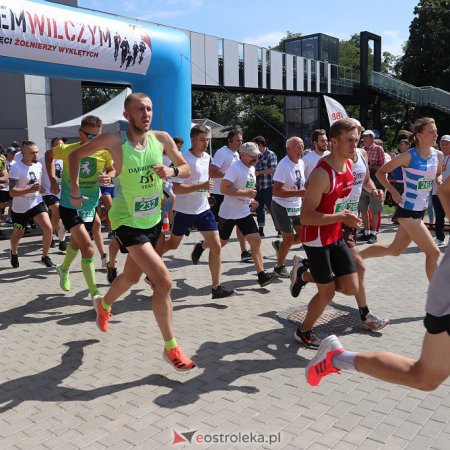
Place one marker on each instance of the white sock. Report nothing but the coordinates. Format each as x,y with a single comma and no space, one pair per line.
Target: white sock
367,232
345,361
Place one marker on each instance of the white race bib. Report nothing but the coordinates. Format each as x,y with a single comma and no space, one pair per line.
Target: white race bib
145,206
86,216
352,206
293,212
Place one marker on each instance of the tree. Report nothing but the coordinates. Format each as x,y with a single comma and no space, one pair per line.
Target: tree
425,61
93,97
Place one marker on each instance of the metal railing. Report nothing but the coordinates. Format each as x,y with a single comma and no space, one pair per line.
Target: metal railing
413,95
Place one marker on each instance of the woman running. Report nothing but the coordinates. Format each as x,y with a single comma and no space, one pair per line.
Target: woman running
422,167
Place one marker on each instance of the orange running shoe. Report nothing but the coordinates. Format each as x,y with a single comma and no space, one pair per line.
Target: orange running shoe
178,359
102,315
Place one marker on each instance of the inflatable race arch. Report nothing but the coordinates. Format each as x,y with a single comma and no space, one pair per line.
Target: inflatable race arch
42,38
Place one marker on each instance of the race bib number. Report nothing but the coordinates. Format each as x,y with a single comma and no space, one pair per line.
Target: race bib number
293,212
340,205
353,206
200,192
86,216
425,184
251,184
145,206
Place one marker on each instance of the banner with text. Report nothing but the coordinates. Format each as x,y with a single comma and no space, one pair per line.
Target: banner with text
335,110
49,34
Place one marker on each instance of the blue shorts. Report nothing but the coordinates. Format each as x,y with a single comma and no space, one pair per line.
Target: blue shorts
107,190
204,221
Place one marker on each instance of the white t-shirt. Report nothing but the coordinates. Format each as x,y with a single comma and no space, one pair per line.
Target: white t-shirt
310,161
194,202
292,176
445,172
242,177
45,181
27,176
223,159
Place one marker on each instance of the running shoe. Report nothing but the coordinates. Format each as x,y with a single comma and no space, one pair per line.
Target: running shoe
111,273
300,266
177,359
52,244
221,292
102,315
363,237
439,243
246,256
264,278
14,260
104,261
197,252
281,271
62,246
276,244
64,279
372,239
47,261
374,323
322,364
308,338
261,232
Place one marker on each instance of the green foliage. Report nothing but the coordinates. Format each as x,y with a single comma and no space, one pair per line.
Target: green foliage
93,97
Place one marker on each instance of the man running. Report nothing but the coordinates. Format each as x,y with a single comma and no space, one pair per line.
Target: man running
25,188
239,189
288,190
320,142
433,366
300,277
222,160
136,213
94,170
191,207
322,214
52,200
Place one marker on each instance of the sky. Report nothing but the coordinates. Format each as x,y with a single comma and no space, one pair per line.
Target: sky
264,23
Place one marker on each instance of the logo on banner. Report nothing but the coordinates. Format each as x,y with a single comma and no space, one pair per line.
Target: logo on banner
46,33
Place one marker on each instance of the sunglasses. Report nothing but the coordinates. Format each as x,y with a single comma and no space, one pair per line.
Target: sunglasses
89,135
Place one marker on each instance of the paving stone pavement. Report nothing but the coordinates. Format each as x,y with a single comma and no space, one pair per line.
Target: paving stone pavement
65,385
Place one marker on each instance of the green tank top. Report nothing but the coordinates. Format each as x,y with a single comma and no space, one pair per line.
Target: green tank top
137,202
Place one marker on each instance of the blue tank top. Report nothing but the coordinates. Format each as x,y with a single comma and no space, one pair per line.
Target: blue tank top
419,179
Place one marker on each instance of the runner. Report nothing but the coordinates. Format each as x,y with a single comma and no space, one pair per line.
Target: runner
52,200
323,212
361,180
5,199
95,170
320,142
288,190
192,208
222,160
422,166
433,366
136,213
25,189
239,189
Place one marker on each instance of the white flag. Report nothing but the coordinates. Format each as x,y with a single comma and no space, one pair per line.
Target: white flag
335,110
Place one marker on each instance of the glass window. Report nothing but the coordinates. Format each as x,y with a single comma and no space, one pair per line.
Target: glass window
310,48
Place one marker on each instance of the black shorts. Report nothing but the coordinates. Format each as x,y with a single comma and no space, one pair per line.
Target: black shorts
128,236
215,200
436,325
402,213
70,218
4,197
247,225
329,262
20,220
50,200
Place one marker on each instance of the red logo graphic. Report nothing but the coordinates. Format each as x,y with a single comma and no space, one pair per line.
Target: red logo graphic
183,437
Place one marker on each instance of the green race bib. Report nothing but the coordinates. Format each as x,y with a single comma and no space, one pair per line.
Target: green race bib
293,211
425,184
87,216
352,206
145,206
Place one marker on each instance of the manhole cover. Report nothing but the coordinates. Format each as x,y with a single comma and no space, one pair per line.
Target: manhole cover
336,319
